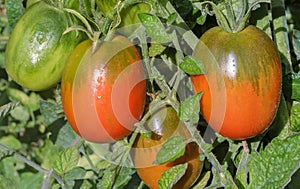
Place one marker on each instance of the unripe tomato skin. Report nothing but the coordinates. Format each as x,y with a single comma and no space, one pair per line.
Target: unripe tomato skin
164,125
104,90
37,50
242,86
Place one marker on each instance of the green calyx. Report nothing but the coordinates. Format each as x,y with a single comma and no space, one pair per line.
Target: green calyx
229,21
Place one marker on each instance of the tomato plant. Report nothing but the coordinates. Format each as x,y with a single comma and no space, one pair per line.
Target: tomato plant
242,86
36,58
165,124
103,89
125,113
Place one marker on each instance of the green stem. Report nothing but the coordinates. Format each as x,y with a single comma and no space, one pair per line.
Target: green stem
225,176
241,25
230,15
82,150
280,34
221,19
32,164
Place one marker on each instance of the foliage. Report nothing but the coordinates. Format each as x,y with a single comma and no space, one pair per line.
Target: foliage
38,148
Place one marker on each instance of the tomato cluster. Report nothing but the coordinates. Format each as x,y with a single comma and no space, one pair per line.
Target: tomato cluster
103,84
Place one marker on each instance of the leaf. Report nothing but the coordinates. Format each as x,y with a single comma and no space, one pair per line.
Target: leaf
5,181
20,113
17,95
190,108
7,108
201,19
296,43
47,154
122,177
274,167
192,66
78,173
31,180
295,117
203,182
66,136
170,177
30,101
156,49
172,18
14,10
11,142
48,110
154,28
66,160
33,102
296,87
172,149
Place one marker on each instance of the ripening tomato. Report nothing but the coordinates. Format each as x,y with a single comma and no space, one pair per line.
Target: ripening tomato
104,89
165,124
242,86
37,50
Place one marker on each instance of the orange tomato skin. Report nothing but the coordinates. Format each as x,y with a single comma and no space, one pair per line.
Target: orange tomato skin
165,124
104,90
242,86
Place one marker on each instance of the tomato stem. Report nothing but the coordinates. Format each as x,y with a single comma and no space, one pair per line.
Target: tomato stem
31,163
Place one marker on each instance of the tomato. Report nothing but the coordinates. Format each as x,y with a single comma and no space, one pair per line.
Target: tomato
165,124
242,86
104,89
37,51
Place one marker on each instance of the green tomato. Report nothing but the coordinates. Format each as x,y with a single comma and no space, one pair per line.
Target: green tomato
37,50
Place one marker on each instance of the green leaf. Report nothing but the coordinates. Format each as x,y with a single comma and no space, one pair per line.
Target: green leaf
296,43
10,167
203,181
66,136
296,87
192,66
48,110
116,177
17,95
172,18
78,173
66,160
274,167
172,149
154,28
156,49
14,10
7,108
11,142
201,19
31,101
295,117
47,154
170,177
31,180
20,113
5,181
190,108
